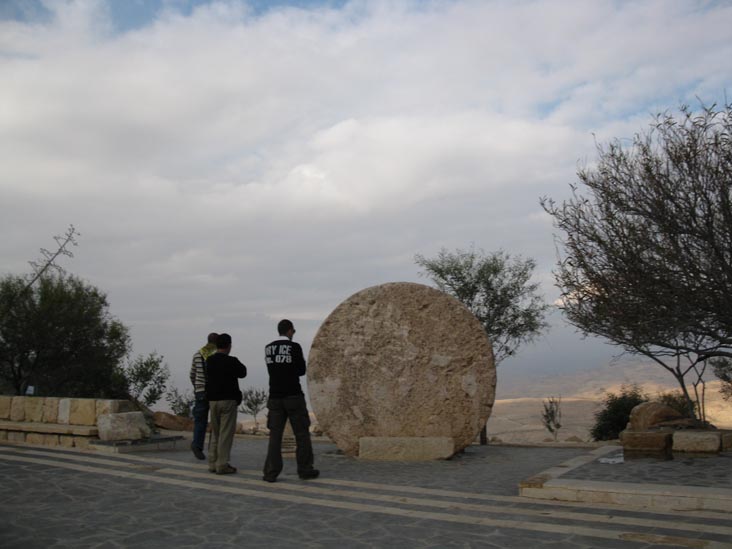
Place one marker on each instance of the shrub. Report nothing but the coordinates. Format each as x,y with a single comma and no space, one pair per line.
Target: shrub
615,413
552,416
180,403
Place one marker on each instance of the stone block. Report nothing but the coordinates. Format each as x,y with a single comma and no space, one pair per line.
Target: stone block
50,440
124,426
50,410
34,438
3,435
406,448
83,411
64,410
67,441
5,402
82,443
16,436
41,439
726,440
107,406
697,441
646,441
33,408
648,414
17,409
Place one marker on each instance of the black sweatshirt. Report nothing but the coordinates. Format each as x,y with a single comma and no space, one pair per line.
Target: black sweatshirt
285,364
222,373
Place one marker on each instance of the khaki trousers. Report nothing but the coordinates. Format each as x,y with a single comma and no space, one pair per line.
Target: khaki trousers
223,427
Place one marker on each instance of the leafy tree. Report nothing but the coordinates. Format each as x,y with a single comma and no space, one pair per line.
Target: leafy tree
58,335
647,245
615,414
723,370
496,288
147,377
253,401
551,417
180,403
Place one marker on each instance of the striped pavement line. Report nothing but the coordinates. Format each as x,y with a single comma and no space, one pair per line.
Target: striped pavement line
121,459
234,487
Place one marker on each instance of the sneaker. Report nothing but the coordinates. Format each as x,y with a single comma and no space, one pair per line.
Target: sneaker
269,479
197,452
307,475
226,470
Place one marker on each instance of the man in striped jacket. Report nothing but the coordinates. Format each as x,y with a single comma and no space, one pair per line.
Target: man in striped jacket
200,408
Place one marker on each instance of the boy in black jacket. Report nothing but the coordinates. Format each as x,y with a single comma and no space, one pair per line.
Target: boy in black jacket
285,365
222,389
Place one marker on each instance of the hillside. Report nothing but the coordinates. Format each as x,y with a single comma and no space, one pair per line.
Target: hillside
517,410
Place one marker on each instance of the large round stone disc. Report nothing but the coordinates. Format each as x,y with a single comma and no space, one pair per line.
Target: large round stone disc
401,360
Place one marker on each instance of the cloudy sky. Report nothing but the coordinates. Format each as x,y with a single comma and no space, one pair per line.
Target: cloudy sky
232,163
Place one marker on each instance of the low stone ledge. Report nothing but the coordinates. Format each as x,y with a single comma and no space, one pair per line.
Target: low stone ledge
49,428
646,441
406,448
697,441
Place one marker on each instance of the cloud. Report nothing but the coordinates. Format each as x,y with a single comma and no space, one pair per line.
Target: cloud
227,166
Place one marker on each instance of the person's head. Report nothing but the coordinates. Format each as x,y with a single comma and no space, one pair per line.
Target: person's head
211,340
286,328
223,342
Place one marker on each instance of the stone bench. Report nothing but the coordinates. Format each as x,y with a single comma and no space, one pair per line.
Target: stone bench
684,440
54,421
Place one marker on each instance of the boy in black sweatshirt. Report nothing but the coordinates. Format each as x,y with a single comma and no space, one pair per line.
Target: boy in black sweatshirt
285,365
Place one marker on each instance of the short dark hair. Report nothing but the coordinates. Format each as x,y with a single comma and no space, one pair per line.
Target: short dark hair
284,326
212,337
223,341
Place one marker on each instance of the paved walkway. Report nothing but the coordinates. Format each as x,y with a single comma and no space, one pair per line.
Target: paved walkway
54,498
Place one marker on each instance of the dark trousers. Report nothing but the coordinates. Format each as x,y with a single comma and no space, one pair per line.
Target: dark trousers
200,420
279,411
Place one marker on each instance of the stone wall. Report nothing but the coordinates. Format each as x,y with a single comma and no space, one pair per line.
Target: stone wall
54,421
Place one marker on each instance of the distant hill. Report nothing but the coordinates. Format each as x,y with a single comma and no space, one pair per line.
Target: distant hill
516,415
590,383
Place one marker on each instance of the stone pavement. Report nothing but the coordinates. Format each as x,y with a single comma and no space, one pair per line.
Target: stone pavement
54,498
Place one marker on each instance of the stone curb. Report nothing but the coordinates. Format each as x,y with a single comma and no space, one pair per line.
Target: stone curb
549,484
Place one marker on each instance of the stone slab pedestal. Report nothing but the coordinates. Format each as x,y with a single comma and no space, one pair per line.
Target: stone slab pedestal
406,448
646,441
697,441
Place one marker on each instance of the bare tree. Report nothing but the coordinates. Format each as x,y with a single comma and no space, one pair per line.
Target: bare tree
647,244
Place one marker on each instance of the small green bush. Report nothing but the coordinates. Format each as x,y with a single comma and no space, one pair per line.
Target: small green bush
615,413
180,403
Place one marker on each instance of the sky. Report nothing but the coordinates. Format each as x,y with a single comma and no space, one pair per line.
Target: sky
232,163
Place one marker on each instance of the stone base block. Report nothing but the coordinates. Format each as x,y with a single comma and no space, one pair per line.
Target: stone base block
726,440
50,410
42,439
123,426
17,409
646,441
406,448
33,408
67,441
16,436
697,441
83,411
